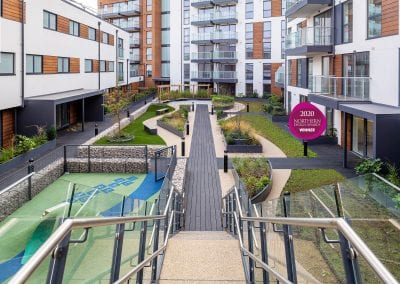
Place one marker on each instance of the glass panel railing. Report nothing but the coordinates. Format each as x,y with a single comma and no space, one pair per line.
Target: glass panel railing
201,36
223,15
202,55
202,17
206,75
224,75
224,55
310,36
341,87
225,35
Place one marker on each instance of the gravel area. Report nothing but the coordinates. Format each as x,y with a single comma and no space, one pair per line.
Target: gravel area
178,178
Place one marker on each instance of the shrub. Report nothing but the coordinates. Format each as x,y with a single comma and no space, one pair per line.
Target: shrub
275,105
223,101
202,94
219,113
393,174
176,119
6,154
23,144
369,166
254,173
51,133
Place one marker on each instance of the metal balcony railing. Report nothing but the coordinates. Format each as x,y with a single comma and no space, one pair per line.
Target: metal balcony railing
202,55
224,55
224,75
133,73
134,41
341,87
310,36
202,37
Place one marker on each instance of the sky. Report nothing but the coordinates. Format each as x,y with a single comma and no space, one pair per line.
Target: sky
90,3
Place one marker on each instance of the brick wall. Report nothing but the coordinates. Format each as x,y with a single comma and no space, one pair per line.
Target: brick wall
276,8
274,89
294,73
258,49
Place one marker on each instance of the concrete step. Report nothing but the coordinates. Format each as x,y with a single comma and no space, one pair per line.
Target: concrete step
202,257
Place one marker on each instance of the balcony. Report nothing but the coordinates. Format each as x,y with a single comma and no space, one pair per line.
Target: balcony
134,42
134,73
227,17
202,38
202,20
305,8
132,26
225,77
130,9
280,77
224,57
225,2
134,58
228,37
329,90
201,57
310,40
202,76
201,3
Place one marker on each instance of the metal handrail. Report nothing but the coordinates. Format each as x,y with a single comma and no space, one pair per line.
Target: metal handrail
17,183
395,187
321,223
68,225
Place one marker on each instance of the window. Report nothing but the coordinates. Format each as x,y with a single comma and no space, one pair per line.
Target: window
120,48
186,35
298,72
165,53
249,90
105,38
186,71
165,5
88,65
283,37
73,28
149,37
120,71
290,74
149,21
149,54
102,66
134,70
267,8
267,72
310,64
266,89
249,71
249,41
374,18
149,70
149,5
165,21
92,34
63,65
186,52
34,64
249,9
348,21
111,66
267,40
283,8
49,20
7,63
165,70
186,17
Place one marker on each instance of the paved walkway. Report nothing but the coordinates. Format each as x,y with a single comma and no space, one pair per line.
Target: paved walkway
202,184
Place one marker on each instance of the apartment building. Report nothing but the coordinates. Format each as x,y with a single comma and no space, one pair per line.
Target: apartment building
56,67
343,56
234,46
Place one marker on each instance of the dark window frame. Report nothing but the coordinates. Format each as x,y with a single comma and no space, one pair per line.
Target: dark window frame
41,67
69,65
13,71
350,31
91,65
95,33
56,24
74,25
368,23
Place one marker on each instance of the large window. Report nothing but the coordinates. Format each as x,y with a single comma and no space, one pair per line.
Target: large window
267,40
348,21
88,65
73,28
120,48
299,72
49,20
283,37
149,70
149,21
111,66
149,5
186,71
102,66
374,18
267,72
266,8
149,54
249,71
249,41
249,9
34,64
92,34
362,136
105,38
356,65
7,63
63,65
120,71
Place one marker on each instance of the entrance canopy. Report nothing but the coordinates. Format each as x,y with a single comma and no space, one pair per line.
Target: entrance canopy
370,111
68,96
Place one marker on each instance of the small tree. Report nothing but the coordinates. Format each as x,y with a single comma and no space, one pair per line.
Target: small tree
116,101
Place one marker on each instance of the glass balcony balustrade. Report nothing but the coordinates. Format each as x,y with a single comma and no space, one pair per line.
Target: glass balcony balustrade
341,87
310,36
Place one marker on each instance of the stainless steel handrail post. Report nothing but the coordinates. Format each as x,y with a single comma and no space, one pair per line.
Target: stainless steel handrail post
58,260
288,242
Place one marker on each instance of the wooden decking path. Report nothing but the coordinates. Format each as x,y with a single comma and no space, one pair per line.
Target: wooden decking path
202,184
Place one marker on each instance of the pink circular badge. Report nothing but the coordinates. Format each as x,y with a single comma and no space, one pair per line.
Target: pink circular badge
307,122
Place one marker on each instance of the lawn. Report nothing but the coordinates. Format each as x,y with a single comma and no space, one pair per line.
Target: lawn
303,180
286,142
254,106
142,137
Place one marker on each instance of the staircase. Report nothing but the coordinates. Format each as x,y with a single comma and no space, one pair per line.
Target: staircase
202,257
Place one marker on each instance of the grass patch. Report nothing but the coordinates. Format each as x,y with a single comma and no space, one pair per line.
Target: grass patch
254,106
286,142
303,180
221,101
136,129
